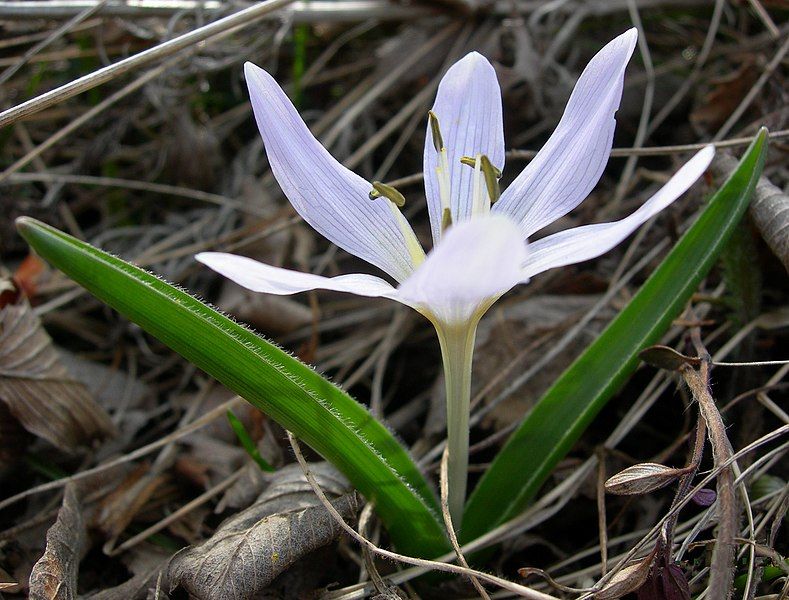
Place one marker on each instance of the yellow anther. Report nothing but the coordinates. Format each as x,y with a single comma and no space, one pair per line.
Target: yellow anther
491,173
387,191
438,141
446,220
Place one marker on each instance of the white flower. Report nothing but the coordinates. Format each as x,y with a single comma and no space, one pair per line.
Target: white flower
483,253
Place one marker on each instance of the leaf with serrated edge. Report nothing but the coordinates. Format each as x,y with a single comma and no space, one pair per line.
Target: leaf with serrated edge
290,392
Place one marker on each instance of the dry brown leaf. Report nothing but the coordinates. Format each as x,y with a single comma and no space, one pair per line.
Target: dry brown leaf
663,357
627,580
726,94
54,576
253,547
642,479
38,390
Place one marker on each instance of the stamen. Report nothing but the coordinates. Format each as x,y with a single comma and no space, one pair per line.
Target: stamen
446,220
438,141
477,207
492,175
387,191
442,169
395,202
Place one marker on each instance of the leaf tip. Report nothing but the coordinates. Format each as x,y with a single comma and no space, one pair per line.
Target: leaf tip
24,223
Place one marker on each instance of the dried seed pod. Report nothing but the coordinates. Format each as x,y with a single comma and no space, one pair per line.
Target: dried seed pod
642,478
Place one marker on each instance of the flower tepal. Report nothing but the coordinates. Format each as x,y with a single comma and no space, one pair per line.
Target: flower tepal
480,248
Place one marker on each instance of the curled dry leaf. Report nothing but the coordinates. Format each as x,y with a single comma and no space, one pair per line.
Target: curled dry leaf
642,478
54,576
38,391
253,547
663,357
627,580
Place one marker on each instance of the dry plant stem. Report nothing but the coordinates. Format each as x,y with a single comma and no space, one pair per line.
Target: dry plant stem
753,92
85,117
764,16
646,109
242,18
204,420
457,352
690,80
721,568
650,535
453,538
133,184
176,515
66,27
686,480
601,514
365,519
510,586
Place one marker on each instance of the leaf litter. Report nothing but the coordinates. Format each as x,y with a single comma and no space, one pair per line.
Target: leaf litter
174,169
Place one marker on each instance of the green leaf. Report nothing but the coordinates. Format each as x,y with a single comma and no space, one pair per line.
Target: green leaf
246,442
290,392
555,423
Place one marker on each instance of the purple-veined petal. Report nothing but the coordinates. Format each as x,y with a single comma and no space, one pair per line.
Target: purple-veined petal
260,277
468,107
590,241
476,262
330,197
570,164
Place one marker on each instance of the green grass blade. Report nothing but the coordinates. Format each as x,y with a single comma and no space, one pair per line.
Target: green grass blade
247,443
290,392
555,423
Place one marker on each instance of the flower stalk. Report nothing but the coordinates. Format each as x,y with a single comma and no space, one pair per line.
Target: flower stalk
457,352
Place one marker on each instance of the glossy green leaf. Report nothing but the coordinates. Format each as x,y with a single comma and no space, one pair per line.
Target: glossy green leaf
555,423
290,392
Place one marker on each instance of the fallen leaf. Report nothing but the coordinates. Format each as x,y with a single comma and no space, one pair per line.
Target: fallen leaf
726,94
54,576
253,547
642,479
663,357
627,580
38,390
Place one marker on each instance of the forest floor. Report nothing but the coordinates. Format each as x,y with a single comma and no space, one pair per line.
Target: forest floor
119,468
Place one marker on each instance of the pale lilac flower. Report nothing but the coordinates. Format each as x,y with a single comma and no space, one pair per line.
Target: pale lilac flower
479,251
